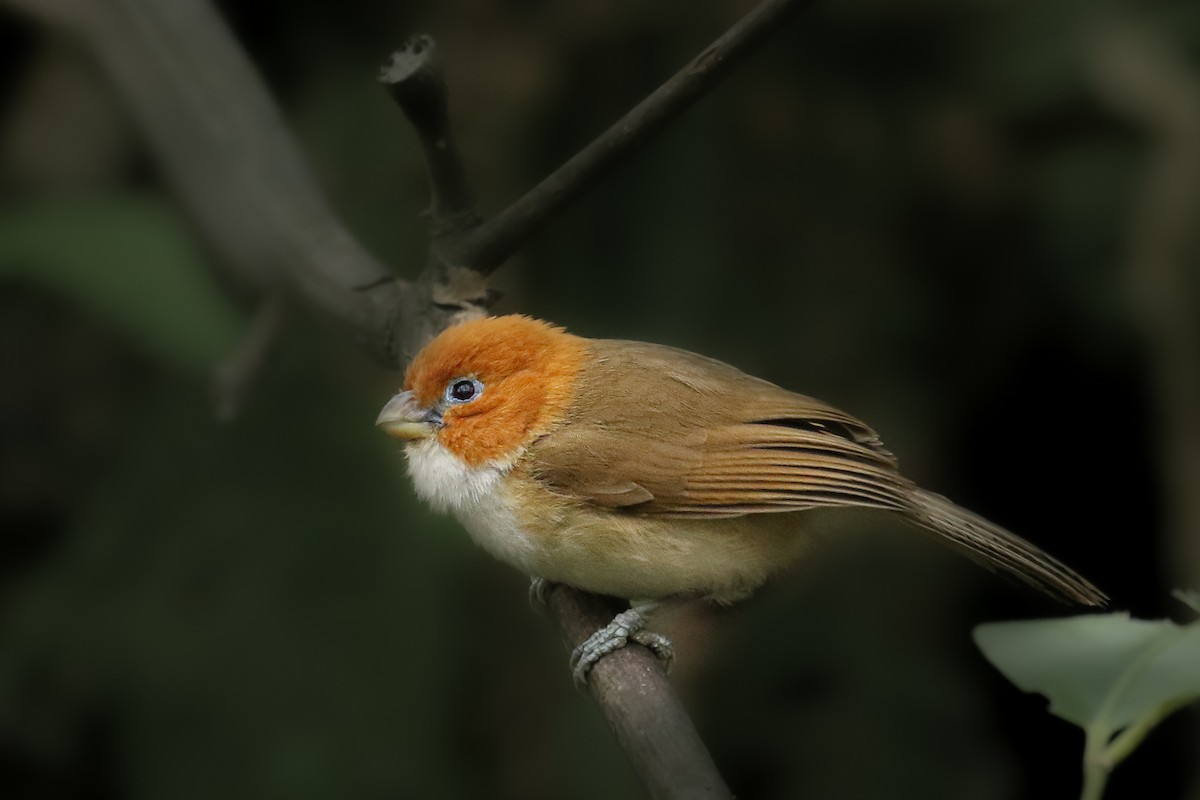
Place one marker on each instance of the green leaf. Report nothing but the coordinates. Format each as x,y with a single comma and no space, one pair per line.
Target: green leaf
1101,672
131,261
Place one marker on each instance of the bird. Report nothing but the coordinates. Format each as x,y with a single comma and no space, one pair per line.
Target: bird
651,473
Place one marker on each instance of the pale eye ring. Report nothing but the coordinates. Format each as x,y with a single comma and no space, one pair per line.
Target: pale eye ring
463,390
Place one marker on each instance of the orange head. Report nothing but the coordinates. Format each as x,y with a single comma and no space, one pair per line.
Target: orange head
486,388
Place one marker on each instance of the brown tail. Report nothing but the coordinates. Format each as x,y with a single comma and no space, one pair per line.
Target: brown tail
996,548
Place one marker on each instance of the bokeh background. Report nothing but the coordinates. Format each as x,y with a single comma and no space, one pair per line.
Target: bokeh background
933,213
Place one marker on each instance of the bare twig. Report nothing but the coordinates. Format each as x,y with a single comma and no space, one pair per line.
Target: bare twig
413,77
498,238
639,704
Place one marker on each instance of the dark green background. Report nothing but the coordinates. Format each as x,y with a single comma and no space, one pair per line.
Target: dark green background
916,210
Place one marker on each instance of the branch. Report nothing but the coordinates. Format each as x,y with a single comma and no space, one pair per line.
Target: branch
222,144
488,246
640,705
414,79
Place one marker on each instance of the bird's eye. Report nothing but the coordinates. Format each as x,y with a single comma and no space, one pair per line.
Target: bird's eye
463,390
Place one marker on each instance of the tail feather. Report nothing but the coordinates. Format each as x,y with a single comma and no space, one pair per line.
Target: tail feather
996,548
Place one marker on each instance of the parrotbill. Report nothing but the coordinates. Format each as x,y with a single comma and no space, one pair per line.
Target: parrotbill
651,473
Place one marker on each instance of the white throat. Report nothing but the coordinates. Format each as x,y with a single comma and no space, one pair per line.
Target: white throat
475,495
447,483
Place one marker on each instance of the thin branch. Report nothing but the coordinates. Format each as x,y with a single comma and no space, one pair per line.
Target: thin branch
489,245
414,78
640,705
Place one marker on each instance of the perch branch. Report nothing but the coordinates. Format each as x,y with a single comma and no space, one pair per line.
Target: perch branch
636,698
495,240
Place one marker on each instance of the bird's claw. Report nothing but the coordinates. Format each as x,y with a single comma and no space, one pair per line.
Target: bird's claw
658,644
625,627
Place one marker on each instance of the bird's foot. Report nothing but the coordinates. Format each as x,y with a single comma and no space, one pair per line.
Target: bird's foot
539,591
627,626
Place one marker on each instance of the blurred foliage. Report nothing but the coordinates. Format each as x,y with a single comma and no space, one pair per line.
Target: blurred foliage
915,210
107,255
1113,676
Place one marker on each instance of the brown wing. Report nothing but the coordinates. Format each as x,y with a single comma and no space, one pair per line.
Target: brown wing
664,432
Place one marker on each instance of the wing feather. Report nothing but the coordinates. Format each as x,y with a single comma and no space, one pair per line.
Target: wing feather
686,436
661,432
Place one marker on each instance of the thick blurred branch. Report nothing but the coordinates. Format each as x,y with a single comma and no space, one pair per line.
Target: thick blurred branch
1140,76
222,143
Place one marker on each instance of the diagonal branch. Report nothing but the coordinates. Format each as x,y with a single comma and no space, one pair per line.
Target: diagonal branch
638,702
488,246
